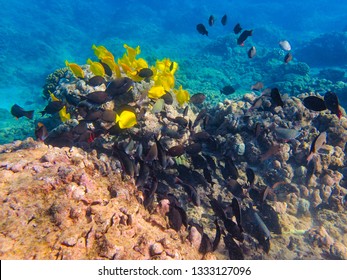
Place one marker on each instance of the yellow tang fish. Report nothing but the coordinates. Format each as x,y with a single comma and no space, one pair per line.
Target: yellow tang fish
75,69
101,52
63,115
53,96
96,68
126,119
156,92
182,95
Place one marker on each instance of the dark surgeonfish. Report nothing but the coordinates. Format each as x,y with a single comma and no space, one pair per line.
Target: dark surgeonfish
224,20
197,98
107,69
235,252
97,97
96,81
250,176
288,57
211,20
145,73
332,103
244,35
276,97
317,143
53,107
19,112
237,28
255,226
41,132
119,86
202,29
314,103
227,90
252,52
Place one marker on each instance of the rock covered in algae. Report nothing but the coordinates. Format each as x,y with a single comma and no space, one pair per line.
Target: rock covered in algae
57,204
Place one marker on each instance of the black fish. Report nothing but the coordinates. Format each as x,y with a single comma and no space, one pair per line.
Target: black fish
199,117
64,139
127,163
252,52
96,81
276,97
227,90
108,116
175,218
107,69
19,112
176,151
237,212
208,176
237,28
152,153
168,99
144,171
80,128
198,161
161,154
230,170
201,136
53,107
217,236
205,245
270,218
288,57
97,97
211,20
332,103
191,192
193,149
202,29
233,229
93,115
185,111
235,188
314,103
224,20
197,98
235,252
145,73
244,35
41,132
250,176
255,226
179,120
119,86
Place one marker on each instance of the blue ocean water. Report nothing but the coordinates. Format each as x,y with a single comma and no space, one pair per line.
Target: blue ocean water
38,36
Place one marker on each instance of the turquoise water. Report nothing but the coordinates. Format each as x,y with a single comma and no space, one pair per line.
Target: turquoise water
38,36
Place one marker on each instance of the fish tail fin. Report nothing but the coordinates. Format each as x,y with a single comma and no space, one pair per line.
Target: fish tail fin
29,114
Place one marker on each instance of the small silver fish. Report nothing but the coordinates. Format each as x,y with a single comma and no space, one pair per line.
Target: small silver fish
285,45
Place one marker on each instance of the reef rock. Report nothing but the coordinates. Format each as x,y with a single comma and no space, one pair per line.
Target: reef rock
62,203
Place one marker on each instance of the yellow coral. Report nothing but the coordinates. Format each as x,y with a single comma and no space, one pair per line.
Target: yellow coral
182,95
